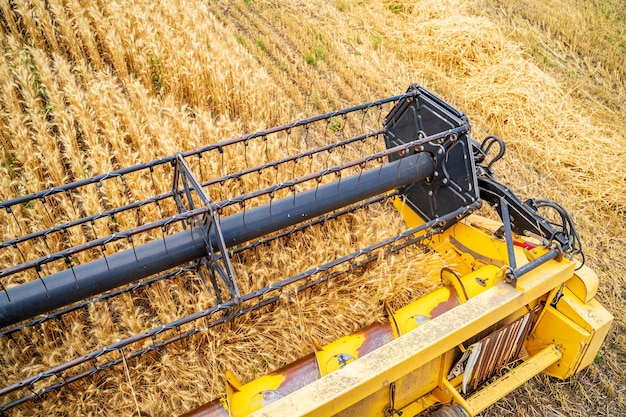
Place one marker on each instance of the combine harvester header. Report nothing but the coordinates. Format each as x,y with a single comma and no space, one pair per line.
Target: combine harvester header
514,303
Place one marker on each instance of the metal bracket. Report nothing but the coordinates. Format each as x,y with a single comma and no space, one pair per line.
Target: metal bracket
510,276
520,217
391,411
453,184
217,262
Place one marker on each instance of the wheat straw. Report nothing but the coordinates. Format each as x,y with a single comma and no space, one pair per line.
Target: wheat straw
133,81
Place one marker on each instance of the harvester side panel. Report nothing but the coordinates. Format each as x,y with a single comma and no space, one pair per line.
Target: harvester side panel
454,183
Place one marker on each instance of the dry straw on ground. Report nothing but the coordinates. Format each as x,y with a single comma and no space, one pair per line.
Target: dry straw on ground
87,87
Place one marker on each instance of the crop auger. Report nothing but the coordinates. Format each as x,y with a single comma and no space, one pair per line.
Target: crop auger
517,300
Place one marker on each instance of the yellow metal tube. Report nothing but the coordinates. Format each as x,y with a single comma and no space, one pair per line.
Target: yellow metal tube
243,399
348,386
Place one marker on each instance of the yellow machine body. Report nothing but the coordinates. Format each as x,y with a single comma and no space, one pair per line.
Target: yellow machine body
566,327
548,322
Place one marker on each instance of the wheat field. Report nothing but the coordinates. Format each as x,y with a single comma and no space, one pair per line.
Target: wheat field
87,87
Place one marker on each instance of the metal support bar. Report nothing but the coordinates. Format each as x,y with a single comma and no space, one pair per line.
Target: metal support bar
513,379
508,233
217,265
552,254
511,278
372,374
221,264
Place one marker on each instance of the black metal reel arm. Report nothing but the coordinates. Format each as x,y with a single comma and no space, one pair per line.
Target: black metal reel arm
523,217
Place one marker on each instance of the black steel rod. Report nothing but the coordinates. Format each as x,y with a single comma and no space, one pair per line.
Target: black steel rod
83,281
524,269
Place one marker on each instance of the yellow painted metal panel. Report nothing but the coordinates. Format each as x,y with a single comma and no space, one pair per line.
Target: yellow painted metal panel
420,405
376,371
584,283
250,397
591,316
419,312
339,353
417,383
371,405
555,328
605,319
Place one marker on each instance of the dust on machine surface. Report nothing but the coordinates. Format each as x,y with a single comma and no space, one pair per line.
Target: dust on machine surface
516,299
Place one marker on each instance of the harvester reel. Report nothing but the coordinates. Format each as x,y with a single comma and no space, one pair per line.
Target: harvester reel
414,149
200,223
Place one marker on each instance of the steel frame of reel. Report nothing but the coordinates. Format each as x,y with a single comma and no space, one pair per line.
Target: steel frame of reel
430,165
